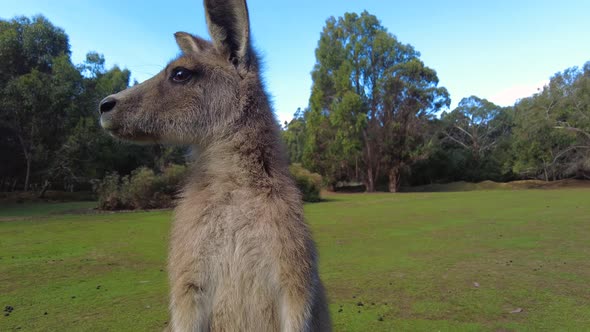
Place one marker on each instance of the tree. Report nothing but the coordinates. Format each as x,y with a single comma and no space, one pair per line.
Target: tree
409,98
370,95
475,125
552,128
88,153
475,138
293,136
38,85
48,113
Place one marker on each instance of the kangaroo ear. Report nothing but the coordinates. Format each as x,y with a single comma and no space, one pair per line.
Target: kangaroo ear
190,44
229,28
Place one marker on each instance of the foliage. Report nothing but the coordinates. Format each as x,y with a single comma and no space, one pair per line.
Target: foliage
372,118
38,86
552,128
108,190
473,140
294,137
143,189
51,138
371,96
476,125
310,184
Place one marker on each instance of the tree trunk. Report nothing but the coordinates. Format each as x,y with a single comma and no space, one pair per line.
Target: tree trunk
44,189
370,182
394,177
356,168
371,174
546,174
26,187
27,154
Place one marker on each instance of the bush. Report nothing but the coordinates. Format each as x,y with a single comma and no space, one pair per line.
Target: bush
140,190
108,192
171,178
144,189
310,184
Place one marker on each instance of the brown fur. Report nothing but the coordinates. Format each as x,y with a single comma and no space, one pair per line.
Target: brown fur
241,256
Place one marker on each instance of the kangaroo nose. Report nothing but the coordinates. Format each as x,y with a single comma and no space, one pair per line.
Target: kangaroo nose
107,105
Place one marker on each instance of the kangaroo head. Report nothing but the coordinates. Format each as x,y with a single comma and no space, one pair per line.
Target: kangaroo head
196,97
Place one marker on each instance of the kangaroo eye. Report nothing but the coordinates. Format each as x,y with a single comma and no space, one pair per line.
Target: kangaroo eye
181,74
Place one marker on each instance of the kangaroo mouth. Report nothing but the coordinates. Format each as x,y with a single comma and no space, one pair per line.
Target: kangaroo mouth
134,137
123,133
106,121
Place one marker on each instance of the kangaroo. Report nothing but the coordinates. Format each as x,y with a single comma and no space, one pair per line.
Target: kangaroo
241,256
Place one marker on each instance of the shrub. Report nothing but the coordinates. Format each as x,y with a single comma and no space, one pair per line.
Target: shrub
144,189
108,192
171,179
139,191
310,184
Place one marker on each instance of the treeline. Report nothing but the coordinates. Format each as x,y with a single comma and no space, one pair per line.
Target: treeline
378,118
50,136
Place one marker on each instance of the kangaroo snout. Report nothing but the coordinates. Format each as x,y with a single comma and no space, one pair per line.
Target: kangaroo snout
105,108
107,104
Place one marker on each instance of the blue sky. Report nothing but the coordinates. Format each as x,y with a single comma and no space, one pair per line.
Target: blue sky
500,50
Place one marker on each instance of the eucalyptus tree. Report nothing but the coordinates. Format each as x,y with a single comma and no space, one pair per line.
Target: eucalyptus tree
552,128
370,96
38,85
476,125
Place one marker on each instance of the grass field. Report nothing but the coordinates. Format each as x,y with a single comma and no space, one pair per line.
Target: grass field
464,261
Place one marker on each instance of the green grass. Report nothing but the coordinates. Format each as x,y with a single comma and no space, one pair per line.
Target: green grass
25,210
410,259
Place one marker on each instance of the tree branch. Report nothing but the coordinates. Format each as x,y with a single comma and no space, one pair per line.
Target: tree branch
561,153
574,129
463,130
457,141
